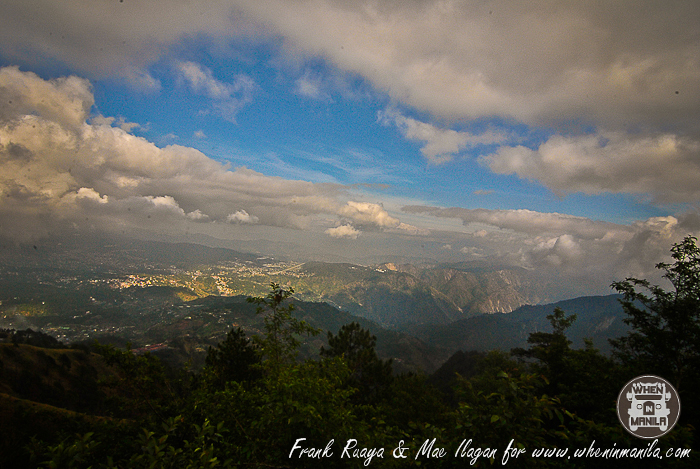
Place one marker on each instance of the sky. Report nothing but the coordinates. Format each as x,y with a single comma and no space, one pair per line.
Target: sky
561,137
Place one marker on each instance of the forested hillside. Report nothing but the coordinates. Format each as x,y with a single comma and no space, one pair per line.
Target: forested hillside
105,274
258,402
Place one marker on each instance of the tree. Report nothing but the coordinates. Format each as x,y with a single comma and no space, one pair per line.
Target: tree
551,348
666,324
234,359
279,346
579,377
665,336
502,407
370,375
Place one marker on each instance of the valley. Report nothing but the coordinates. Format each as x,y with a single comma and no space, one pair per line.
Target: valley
178,299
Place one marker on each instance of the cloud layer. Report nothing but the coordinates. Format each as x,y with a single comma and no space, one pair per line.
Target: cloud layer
109,39
617,73
58,170
594,253
523,60
612,90
63,171
665,165
456,59
440,145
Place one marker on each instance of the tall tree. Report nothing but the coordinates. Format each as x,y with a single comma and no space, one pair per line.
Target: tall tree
355,345
234,359
578,377
666,324
551,348
280,344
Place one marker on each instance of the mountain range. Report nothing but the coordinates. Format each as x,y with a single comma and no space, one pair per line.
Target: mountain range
152,292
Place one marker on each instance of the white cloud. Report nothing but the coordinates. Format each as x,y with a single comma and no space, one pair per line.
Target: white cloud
228,98
456,59
56,171
91,194
127,126
67,100
525,221
343,231
199,134
110,39
406,229
202,81
164,202
242,217
368,213
311,86
468,59
459,59
558,251
584,255
102,120
665,166
440,144
566,68
198,215
121,122
59,172
140,79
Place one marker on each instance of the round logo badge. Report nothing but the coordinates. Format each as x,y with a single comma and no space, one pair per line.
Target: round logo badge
648,406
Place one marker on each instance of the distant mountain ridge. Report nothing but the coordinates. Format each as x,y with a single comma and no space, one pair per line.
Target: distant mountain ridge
478,288
598,317
115,253
397,295
391,294
153,292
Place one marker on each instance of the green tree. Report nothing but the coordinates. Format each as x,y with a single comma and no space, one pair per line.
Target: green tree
666,324
551,348
280,344
665,336
234,359
578,377
370,375
499,408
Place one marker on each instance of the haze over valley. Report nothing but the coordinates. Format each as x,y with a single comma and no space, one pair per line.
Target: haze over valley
166,297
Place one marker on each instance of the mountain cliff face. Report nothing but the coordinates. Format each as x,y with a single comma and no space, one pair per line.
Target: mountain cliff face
391,294
398,295
478,292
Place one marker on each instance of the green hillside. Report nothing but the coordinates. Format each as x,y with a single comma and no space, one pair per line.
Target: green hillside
257,403
106,277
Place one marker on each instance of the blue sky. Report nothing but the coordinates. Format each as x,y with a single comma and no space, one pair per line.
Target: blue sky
336,136
564,140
